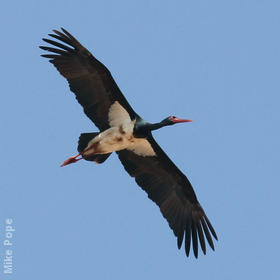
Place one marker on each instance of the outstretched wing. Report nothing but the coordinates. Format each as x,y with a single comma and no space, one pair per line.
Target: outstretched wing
89,79
170,189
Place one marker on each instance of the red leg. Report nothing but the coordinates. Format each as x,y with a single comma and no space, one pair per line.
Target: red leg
71,160
74,159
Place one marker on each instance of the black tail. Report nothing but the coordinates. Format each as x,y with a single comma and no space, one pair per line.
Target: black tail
82,144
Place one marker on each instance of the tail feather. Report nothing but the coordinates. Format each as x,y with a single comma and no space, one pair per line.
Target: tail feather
82,144
84,140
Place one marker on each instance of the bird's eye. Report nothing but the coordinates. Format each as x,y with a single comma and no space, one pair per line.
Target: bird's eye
173,117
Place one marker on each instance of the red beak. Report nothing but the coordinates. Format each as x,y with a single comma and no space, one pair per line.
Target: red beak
176,120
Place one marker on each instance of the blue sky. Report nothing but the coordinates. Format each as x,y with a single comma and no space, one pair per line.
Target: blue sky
216,62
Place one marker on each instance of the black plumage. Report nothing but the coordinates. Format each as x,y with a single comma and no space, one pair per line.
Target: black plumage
157,175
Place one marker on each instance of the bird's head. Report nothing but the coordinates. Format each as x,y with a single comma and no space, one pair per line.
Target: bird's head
141,129
173,120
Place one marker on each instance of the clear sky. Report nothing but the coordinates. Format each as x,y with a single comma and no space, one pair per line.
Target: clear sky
216,62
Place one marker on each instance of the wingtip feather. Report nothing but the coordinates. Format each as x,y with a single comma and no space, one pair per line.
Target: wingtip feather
207,234
201,238
211,227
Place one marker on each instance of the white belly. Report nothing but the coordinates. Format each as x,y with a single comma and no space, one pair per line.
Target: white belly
119,136
111,140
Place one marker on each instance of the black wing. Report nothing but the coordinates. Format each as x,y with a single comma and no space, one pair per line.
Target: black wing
170,189
89,79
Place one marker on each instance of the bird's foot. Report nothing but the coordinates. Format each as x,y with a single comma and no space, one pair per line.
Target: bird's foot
72,159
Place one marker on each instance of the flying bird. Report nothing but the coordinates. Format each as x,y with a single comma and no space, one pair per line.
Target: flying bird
123,131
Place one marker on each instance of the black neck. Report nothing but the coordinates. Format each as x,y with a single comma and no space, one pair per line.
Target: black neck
142,129
154,126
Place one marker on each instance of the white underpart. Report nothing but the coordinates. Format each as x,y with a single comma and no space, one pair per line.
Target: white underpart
118,115
142,147
119,136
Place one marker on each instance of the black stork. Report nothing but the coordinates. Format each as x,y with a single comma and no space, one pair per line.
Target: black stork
123,131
